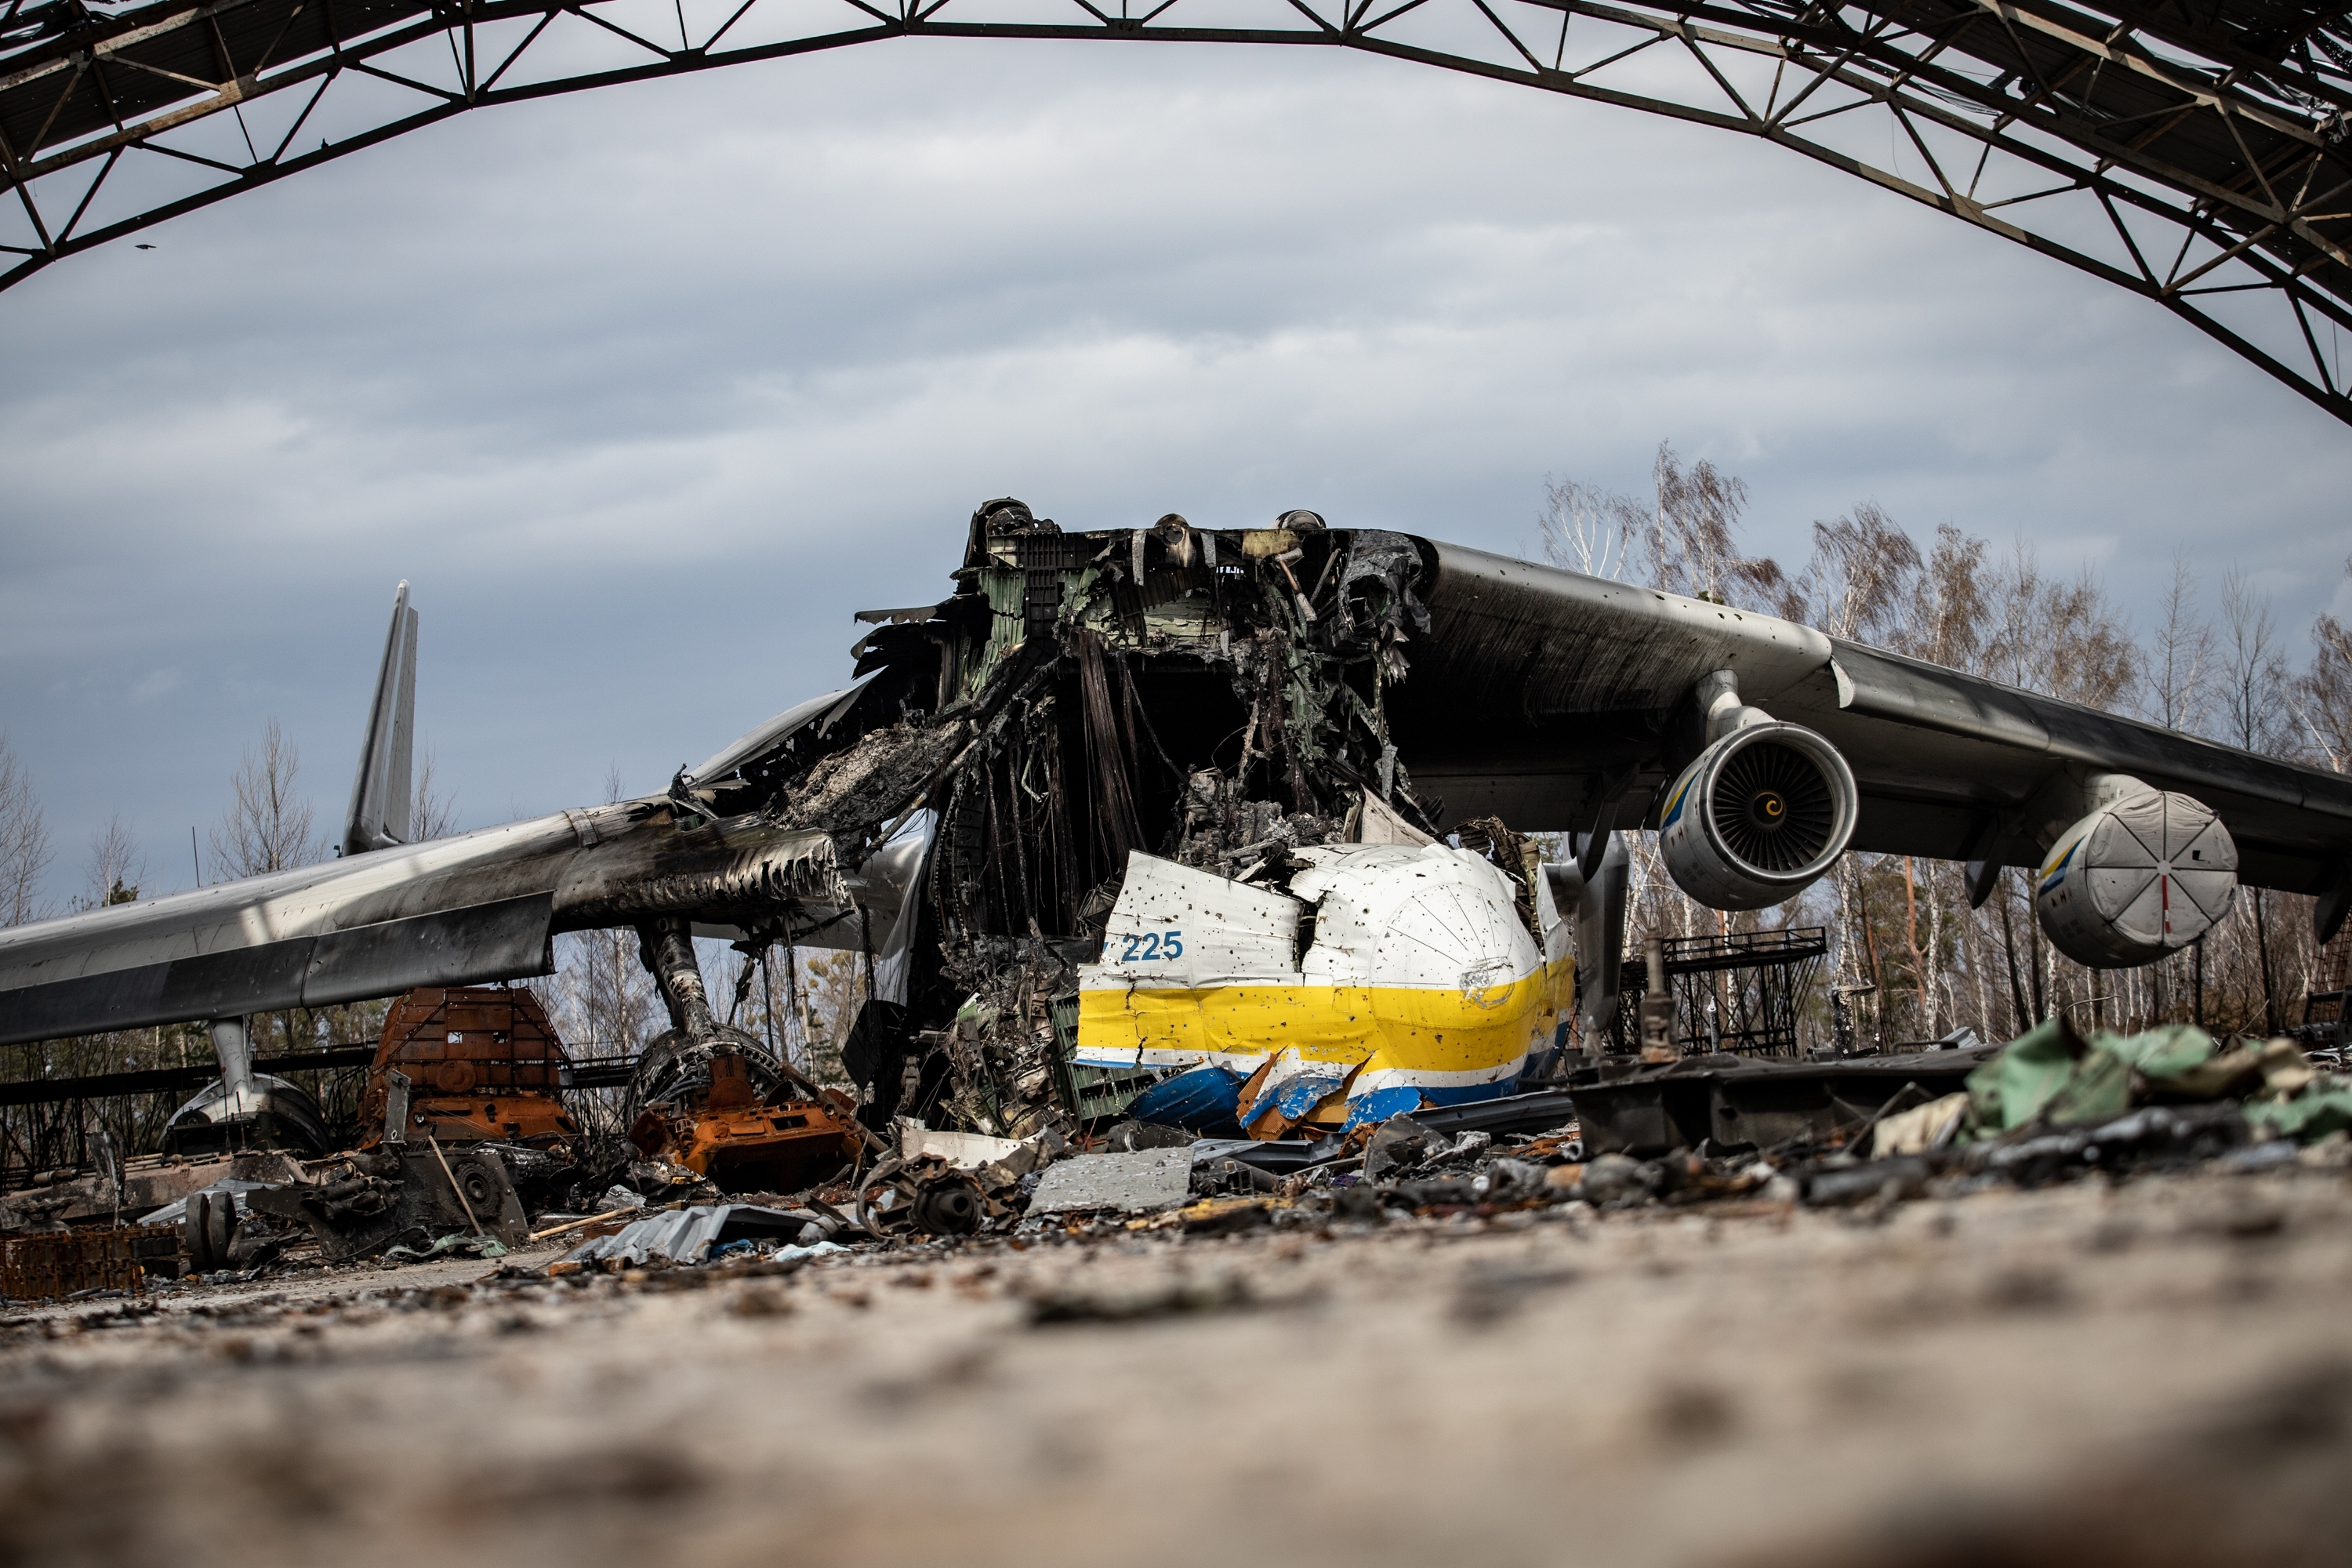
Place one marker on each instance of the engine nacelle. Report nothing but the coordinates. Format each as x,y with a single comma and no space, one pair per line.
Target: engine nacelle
1759,817
2137,879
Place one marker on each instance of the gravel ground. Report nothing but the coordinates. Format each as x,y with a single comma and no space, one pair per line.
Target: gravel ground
2152,1372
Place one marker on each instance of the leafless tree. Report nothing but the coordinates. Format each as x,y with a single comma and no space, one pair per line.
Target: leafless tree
25,850
832,988
115,867
2253,676
433,811
1690,545
2253,680
603,999
1863,574
2177,671
1863,578
268,826
2323,694
1905,923
1945,620
1588,530
2064,639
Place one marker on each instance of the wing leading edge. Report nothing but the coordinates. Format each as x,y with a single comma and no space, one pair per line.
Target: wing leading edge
1550,695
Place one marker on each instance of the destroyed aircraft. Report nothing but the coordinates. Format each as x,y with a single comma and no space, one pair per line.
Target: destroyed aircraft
1170,806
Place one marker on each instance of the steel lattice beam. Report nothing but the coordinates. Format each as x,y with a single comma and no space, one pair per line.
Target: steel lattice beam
2197,156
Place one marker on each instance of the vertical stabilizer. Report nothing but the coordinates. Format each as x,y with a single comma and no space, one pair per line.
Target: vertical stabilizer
379,796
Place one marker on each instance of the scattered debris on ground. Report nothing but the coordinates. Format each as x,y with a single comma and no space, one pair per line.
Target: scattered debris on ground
1215,1114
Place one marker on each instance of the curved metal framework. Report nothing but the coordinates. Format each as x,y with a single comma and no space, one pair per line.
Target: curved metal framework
2194,152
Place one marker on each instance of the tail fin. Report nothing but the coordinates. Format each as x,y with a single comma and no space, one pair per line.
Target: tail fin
380,797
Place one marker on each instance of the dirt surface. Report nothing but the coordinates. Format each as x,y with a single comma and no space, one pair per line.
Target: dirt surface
2158,1371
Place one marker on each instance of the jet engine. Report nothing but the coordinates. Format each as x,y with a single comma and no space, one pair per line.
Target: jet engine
1759,817
2143,875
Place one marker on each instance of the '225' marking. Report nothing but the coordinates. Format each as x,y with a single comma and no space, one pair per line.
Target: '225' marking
1152,944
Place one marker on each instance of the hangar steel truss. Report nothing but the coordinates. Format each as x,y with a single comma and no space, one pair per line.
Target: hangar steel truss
2196,152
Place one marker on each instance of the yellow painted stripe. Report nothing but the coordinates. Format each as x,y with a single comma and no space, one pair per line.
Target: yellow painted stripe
1396,1027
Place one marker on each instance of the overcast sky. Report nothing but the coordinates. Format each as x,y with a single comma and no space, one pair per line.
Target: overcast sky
645,390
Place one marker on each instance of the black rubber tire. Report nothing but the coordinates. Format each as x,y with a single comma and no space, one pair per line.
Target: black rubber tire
193,1235
220,1226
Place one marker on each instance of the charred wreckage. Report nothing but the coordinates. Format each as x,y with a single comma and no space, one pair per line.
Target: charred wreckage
1216,834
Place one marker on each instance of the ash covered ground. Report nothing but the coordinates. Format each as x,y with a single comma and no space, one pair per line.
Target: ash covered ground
2151,1371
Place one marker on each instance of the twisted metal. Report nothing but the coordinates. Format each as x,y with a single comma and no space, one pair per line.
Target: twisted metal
2195,156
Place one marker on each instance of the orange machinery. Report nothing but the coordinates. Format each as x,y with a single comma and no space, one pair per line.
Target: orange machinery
483,1064
739,1144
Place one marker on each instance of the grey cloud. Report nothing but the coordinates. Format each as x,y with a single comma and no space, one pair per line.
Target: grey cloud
647,389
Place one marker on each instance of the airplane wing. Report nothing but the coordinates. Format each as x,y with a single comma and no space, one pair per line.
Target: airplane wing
1544,696
463,910
475,907
1558,701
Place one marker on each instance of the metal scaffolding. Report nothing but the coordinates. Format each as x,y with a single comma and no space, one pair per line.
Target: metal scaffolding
2194,156
1737,994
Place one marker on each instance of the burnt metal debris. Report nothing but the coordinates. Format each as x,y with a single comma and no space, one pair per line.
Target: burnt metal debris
2183,155
1729,1103
468,1064
366,1204
1724,1134
1155,925
67,1262
1212,701
1088,719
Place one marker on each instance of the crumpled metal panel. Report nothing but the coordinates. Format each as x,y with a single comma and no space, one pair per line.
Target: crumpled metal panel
1150,1181
688,1234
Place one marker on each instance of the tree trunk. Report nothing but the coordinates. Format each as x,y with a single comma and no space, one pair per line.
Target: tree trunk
2263,956
1972,943
1922,976
2034,951
2017,1024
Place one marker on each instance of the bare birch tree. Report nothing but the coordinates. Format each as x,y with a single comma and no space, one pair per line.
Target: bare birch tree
1905,923
2063,638
268,827
2322,695
1587,528
1691,545
115,868
24,850
1863,574
433,811
2177,672
1950,603
2253,714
